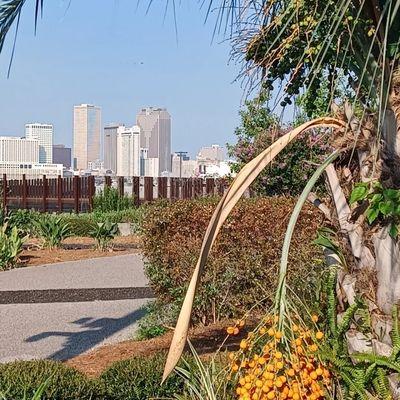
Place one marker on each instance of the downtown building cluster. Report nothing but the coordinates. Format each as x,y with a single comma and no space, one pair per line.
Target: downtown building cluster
143,149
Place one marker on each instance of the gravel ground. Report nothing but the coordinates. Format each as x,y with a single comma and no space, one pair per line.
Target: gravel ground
64,330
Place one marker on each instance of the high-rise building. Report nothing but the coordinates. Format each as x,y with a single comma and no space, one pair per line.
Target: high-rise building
44,134
18,150
62,155
87,127
128,151
214,153
110,147
155,135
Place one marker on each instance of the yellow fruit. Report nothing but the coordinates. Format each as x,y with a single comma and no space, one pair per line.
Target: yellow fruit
230,330
319,335
243,344
314,318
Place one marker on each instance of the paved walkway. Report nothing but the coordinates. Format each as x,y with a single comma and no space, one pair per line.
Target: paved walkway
66,318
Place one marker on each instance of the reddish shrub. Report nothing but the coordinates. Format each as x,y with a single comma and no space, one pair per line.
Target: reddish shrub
243,265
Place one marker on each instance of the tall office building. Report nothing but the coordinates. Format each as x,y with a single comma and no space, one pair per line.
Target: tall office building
18,150
110,147
155,135
44,134
128,151
62,155
87,127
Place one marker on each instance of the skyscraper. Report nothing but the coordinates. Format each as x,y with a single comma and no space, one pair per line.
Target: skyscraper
110,147
19,150
62,155
44,134
128,151
155,135
87,127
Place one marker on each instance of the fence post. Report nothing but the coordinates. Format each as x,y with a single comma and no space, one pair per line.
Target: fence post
91,192
162,187
121,189
59,193
190,188
76,187
5,192
210,183
221,186
107,181
24,191
136,190
148,188
45,190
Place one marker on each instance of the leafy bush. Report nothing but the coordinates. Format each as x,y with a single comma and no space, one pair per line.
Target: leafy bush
104,233
52,230
138,379
287,174
157,317
109,199
24,220
10,247
21,379
79,224
242,268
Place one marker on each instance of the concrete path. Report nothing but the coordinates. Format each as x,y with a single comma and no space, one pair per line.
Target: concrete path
65,320
103,272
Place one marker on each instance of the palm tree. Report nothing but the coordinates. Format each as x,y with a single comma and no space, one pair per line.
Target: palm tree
293,46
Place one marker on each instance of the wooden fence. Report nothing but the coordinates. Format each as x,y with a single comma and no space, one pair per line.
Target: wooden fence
76,193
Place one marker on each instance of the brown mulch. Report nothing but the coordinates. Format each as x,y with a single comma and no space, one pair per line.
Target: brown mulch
75,248
206,341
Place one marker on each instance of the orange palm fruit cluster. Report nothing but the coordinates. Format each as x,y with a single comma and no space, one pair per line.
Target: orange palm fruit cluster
274,365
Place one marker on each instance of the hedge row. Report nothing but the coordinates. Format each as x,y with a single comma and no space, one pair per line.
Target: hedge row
243,265
134,379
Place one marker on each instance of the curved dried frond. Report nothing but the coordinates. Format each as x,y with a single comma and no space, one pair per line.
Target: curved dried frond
242,181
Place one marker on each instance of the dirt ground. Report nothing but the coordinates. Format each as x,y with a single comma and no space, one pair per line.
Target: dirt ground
75,248
206,341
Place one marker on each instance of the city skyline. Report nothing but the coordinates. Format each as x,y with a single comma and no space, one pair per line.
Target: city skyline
116,80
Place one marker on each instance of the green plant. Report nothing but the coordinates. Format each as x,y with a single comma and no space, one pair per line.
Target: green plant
378,202
259,128
10,247
21,380
138,379
24,220
244,262
104,233
110,199
158,316
52,230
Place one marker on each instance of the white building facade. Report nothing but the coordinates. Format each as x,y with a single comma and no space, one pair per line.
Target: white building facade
44,134
128,151
16,150
15,170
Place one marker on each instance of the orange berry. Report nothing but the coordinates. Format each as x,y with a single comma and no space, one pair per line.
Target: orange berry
236,330
319,335
230,330
278,335
271,332
271,395
314,318
278,355
279,365
313,348
243,344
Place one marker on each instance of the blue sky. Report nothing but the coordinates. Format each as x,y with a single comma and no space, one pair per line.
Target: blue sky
110,53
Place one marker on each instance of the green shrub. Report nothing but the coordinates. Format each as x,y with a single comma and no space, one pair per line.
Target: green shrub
103,233
243,264
10,247
79,224
109,199
139,379
52,230
24,221
20,380
157,317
